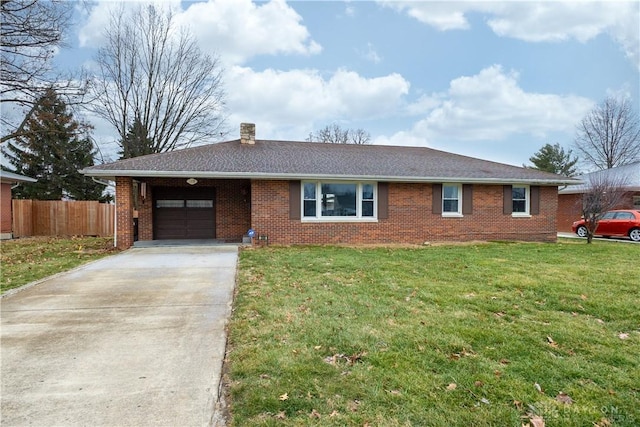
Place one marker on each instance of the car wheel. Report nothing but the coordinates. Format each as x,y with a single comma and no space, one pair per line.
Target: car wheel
635,234
582,231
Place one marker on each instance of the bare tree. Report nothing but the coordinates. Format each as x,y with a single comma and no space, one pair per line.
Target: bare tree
604,193
334,134
154,73
609,135
31,33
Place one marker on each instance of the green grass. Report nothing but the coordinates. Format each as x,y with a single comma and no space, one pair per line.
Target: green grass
454,335
26,260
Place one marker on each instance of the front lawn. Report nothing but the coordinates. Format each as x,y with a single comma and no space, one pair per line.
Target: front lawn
498,334
29,259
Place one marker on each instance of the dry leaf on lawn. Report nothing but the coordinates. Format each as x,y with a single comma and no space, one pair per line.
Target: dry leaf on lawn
564,398
536,421
623,336
452,386
284,396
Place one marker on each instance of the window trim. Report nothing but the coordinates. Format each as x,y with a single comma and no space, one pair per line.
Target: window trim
318,201
458,213
527,201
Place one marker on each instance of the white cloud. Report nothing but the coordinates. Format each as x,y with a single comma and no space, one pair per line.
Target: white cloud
542,21
241,29
234,29
371,54
490,106
304,98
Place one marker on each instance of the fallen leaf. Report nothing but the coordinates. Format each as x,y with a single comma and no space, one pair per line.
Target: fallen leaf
333,414
537,386
284,397
452,386
280,415
603,423
395,392
583,297
518,405
504,361
318,347
485,401
550,340
264,376
536,420
623,336
314,414
600,321
478,383
564,398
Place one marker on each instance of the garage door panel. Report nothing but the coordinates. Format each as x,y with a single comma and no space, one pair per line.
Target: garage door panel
184,213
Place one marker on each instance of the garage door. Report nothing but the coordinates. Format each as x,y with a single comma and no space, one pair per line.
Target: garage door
184,213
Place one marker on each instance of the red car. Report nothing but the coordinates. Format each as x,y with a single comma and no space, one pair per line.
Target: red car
614,223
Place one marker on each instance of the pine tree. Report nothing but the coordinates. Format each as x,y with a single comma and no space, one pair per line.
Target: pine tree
53,148
136,142
552,158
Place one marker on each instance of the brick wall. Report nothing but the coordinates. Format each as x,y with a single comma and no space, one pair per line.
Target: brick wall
410,220
124,212
5,209
232,206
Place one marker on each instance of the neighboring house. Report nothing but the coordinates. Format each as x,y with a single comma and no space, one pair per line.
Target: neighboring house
570,198
8,180
315,193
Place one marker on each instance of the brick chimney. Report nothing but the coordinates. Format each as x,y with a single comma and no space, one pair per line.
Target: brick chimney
247,133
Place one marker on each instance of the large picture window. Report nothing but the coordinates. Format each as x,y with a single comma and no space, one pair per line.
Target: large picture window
338,200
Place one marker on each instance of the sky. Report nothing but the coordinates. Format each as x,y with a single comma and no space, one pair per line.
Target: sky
493,80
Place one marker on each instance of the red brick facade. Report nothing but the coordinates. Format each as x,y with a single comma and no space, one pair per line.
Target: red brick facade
5,209
124,212
410,218
232,207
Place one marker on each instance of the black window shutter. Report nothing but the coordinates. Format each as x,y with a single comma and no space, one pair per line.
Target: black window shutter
534,194
383,200
294,200
436,202
467,199
507,200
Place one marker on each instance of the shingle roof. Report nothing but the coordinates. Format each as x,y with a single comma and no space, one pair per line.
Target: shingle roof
269,159
629,175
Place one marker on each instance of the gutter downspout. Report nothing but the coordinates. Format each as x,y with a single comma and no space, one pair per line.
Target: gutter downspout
115,213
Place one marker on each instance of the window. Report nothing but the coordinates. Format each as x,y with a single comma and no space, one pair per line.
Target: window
451,202
625,215
338,201
199,203
169,203
636,202
520,200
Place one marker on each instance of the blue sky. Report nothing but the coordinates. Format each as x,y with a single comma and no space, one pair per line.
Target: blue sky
494,80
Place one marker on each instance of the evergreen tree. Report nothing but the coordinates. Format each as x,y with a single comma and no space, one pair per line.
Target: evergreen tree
53,149
552,158
136,142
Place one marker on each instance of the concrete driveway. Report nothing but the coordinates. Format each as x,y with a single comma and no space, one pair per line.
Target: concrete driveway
136,339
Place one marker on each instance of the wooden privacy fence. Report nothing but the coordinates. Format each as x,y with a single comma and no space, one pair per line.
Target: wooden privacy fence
62,218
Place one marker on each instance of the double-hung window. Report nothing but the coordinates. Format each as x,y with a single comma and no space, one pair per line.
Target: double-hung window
520,200
338,201
451,199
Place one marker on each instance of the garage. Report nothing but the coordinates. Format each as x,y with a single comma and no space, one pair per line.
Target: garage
184,213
